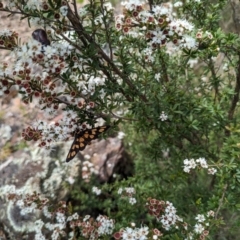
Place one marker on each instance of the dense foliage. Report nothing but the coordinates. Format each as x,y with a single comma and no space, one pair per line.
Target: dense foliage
166,75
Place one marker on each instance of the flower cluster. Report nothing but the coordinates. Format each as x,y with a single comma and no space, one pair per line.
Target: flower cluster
164,212
8,38
200,228
121,135
132,233
96,190
157,27
90,228
87,170
35,6
26,202
128,192
39,74
30,203
105,225
199,163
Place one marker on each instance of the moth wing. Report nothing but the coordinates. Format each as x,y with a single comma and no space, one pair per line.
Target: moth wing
78,144
82,139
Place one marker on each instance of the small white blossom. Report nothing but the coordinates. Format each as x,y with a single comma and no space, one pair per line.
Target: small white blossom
202,162
121,135
163,116
64,10
157,76
120,190
132,200
210,213
200,218
178,4
212,171
130,190
46,212
188,42
86,218
60,217
198,228
96,190
82,12
39,236
38,225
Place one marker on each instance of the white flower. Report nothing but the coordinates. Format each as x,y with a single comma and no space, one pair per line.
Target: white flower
108,6
82,12
225,67
158,36
143,232
157,76
6,32
64,10
86,218
128,233
178,4
96,190
39,236
133,224
120,190
132,4
192,163
186,169
202,162
210,213
106,225
55,235
38,225
75,216
130,190
132,200
198,228
60,217
49,226
163,116
200,218
188,42
71,180
212,171
120,135
46,213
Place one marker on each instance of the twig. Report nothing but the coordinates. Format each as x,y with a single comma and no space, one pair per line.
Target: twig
235,98
221,200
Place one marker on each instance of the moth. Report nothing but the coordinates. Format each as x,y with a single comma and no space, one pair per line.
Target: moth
41,36
83,138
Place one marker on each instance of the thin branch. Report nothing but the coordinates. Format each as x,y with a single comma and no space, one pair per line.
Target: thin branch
215,83
75,8
221,200
235,15
108,39
235,97
150,2
5,48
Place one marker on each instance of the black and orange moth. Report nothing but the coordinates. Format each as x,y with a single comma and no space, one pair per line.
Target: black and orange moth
83,138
